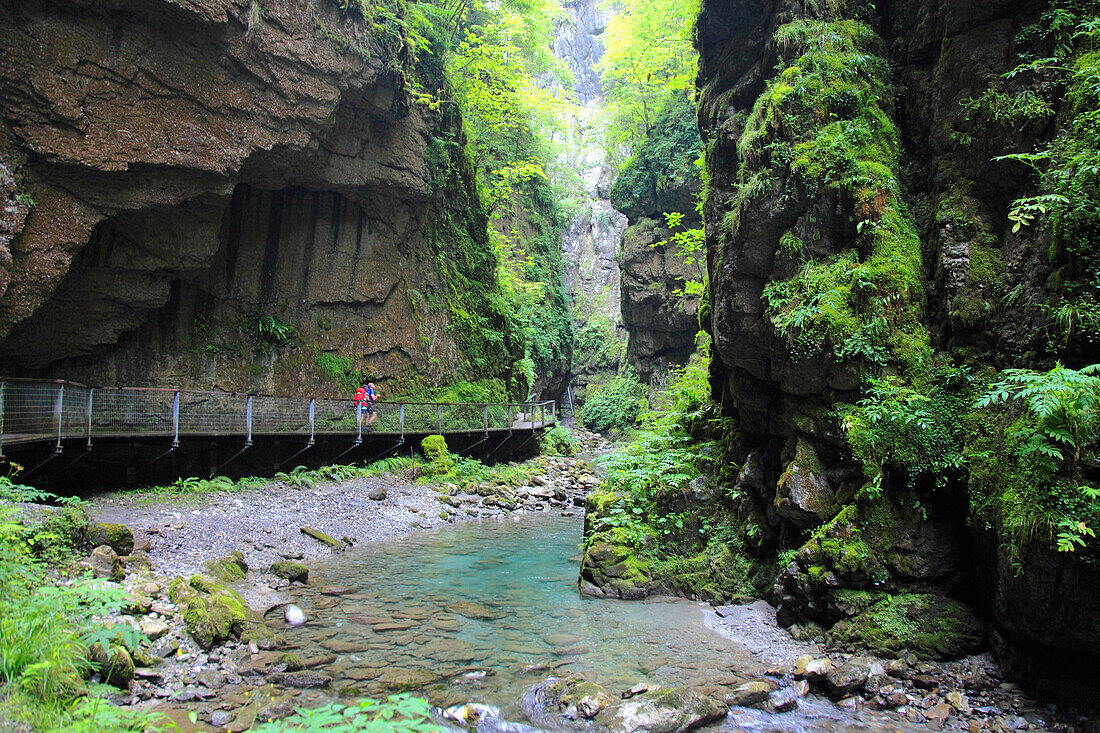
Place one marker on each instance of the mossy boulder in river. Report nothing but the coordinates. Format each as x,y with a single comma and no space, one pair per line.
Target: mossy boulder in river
116,536
214,613
610,567
933,626
290,570
227,569
114,664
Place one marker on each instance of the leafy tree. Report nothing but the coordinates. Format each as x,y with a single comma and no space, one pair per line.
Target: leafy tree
649,59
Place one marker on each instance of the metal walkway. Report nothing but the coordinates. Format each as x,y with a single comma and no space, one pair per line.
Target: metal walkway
57,412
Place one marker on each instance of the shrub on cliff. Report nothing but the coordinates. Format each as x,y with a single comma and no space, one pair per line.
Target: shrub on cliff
616,406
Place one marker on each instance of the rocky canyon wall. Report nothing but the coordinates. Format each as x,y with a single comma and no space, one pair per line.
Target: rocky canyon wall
857,226
590,243
224,193
660,178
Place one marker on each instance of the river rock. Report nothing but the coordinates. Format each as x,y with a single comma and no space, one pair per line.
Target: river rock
401,680
294,615
377,493
848,677
664,711
289,570
302,679
116,536
476,611
749,694
228,569
153,628
105,564
114,664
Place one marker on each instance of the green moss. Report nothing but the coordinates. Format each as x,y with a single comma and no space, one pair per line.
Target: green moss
823,117
290,570
434,447
227,569
932,626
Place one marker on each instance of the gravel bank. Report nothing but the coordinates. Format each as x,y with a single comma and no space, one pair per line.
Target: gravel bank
754,626
179,533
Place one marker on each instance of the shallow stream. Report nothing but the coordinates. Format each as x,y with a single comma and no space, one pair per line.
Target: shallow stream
480,611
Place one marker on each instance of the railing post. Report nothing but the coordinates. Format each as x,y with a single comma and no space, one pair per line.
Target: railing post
176,420
486,418
248,419
439,416
401,419
3,391
509,418
312,409
88,416
57,410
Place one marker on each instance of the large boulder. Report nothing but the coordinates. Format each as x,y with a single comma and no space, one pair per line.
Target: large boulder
668,710
933,626
117,536
803,494
228,569
214,614
614,569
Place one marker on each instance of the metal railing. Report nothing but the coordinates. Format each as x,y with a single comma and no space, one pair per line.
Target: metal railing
38,411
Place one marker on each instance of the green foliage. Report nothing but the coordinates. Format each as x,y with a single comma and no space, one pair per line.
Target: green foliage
340,369
397,714
824,116
46,631
648,60
267,332
1068,166
596,345
616,406
1028,464
689,245
912,430
663,458
664,159
557,441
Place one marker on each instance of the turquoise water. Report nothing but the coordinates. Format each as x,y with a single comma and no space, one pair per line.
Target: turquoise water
523,571
392,618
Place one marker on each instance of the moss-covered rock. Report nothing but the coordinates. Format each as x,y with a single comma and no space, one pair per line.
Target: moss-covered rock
117,536
933,626
290,570
612,568
214,613
803,494
434,447
322,537
228,569
114,664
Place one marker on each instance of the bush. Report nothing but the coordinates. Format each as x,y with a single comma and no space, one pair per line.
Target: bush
557,441
397,714
615,406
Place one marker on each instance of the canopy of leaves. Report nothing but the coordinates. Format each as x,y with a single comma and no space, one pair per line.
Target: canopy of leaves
649,60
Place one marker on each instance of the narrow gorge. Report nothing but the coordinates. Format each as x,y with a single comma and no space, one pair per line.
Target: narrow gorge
824,274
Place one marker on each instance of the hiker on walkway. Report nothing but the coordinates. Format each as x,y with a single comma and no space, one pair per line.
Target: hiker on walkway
370,396
360,405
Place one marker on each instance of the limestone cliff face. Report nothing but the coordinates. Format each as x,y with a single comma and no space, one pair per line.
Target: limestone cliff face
660,178
797,468
188,180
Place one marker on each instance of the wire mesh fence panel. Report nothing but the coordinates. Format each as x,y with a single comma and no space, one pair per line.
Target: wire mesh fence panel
334,416
213,413
387,418
121,412
75,411
280,415
421,418
463,417
29,411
